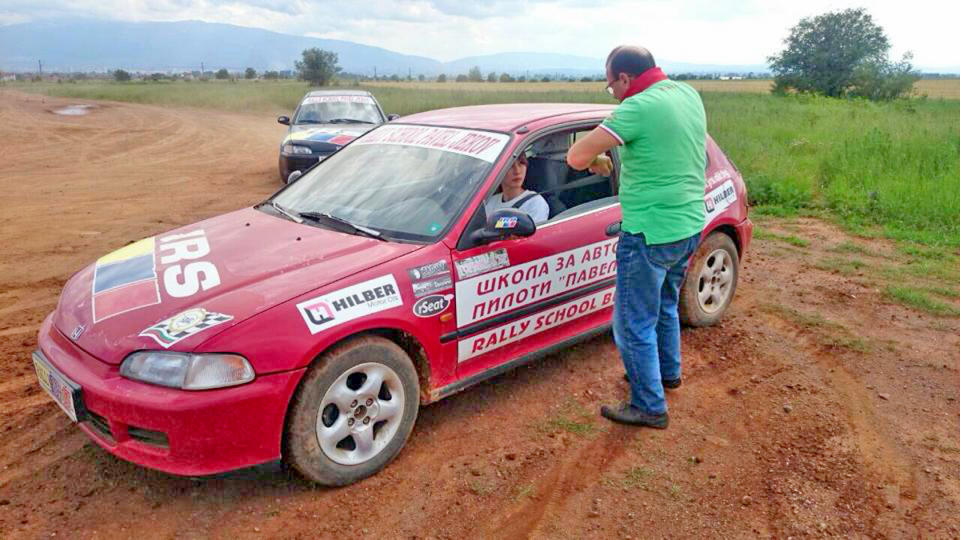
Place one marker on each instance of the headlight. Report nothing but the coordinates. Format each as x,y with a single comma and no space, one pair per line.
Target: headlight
187,371
296,149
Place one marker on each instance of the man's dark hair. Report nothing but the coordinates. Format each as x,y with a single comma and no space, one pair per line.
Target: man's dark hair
630,60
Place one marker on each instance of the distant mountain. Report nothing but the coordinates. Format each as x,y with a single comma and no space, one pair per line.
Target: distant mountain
98,45
84,45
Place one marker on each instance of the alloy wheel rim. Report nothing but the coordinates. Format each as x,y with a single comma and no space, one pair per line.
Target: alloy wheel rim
715,282
360,413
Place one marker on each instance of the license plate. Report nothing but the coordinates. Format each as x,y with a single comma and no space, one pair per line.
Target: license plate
57,386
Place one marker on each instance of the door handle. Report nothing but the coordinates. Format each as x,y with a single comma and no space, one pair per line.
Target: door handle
613,229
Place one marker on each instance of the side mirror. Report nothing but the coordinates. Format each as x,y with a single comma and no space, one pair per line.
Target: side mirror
293,176
392,117
285,120
504,223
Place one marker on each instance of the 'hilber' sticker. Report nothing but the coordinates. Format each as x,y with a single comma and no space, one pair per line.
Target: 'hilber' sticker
350,303
720,199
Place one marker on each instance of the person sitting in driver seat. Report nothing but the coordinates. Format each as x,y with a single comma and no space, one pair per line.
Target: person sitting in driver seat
512,194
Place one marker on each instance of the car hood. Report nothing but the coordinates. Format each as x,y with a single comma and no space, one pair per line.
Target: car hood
176,290
326,135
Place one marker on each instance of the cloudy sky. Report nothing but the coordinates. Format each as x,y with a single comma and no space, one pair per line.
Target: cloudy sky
696,31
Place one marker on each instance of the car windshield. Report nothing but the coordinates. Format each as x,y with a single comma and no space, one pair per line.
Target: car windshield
338,109
405,182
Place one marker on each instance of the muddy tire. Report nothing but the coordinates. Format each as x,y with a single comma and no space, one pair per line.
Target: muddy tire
711,281
353,412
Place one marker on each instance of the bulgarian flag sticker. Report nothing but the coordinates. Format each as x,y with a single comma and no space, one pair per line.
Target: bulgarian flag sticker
179,327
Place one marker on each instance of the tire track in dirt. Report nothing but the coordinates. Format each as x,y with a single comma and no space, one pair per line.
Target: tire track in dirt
574,473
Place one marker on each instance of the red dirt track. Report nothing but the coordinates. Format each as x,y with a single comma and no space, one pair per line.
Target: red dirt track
814,409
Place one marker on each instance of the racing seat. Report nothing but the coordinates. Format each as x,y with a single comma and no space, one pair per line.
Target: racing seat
544,176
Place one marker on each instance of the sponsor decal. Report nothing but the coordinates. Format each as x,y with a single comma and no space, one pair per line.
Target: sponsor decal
350,303
77,332
720,199
429,270
523,328
330,135
497,292
506,223
434,304
127,279
432,285
482,263
718,177
483,145
183,325
181,278
337,99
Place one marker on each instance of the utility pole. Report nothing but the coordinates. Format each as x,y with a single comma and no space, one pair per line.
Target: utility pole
40,66
201,69
374,72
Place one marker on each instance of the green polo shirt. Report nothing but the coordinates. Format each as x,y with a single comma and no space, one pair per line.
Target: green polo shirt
662,131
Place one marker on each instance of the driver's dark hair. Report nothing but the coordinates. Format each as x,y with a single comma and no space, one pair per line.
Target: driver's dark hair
630,60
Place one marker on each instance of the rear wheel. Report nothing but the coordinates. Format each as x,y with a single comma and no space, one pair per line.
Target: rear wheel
711,281
353,412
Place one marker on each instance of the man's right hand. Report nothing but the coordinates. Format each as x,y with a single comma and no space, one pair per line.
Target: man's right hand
602,165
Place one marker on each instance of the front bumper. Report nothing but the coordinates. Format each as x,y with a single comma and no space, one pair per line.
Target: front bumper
189,433
298,162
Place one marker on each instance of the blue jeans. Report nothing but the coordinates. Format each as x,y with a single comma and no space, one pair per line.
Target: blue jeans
646,327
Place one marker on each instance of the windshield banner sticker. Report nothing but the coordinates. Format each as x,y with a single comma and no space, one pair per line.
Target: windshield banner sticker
483,145
350,303
534,324
337,99
720,199
491,294
181,326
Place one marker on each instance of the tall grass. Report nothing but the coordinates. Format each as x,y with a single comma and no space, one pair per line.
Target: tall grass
894,165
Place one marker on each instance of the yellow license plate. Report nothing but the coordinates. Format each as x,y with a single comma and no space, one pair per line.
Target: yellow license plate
57,386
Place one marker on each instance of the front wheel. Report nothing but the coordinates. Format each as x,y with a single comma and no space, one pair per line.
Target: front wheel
711,281
353,412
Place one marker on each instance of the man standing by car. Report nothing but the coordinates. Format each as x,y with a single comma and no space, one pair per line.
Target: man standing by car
661,126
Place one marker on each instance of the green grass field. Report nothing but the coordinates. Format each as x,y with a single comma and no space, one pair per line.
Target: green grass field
881,169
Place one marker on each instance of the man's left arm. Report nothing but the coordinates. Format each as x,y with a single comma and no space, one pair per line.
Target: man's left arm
584,153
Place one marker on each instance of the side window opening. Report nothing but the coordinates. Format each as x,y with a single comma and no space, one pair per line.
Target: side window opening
567,192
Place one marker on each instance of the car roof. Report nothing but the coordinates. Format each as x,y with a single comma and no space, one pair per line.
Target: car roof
505,117
338,93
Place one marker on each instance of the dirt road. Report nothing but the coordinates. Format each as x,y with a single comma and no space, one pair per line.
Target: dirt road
816,409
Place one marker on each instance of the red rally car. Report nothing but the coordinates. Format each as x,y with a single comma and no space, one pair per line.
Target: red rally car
313,326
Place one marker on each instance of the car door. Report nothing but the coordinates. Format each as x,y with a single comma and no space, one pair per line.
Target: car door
519,296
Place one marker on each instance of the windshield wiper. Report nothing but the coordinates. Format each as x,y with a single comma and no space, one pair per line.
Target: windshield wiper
366,231
301,122
289,213
348,121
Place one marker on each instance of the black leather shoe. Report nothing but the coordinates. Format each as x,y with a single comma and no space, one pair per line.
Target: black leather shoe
628,414
670,384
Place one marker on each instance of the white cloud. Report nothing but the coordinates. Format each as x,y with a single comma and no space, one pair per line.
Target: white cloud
696,31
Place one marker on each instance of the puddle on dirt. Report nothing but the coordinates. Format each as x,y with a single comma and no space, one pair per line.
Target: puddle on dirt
73,110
